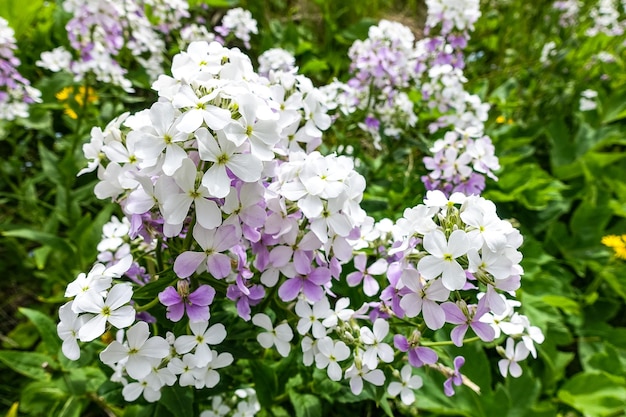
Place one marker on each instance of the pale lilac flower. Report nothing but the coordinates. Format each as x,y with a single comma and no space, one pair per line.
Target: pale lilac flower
455,378
311,285
418,355
213,243
364,273
424,298
464,317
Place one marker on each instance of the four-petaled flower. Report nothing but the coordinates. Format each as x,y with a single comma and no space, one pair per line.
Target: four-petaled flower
196,304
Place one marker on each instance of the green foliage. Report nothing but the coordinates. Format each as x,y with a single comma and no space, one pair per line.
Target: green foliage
562,182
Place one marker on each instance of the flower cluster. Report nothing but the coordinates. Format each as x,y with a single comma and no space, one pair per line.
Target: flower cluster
568,12
382,67
239,23
459,162
228,203
276,59
389,65
606,19
99,31
16,93
588,99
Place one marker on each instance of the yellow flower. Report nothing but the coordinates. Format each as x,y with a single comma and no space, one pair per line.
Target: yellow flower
68,93
91,95
500,119
71,113
64,94
617,243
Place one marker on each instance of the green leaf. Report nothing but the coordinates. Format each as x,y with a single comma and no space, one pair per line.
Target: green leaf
594,393
43,238
178,400
73,407
314,66
265,383
305,405
139,411
30,364
46,328
42,398
566,304
20,15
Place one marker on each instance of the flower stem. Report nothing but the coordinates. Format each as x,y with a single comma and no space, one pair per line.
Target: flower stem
449,342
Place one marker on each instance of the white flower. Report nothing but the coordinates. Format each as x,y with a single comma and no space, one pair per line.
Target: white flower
55,60
310,316
225,154
279,336
201,340
139,351
442,258
375,346
208,376
356,375
329,353
184,368
513,354
112,310
67,329
405,388
177,203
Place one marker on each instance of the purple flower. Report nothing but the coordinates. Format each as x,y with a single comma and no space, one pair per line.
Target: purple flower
465,316
196,304
310,285
418,355
244,301
456,378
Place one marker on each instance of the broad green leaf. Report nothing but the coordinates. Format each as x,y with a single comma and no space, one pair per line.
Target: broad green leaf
41,398
265,382
30,364
567,305
178,400
595,394
43,238
46,328
305,405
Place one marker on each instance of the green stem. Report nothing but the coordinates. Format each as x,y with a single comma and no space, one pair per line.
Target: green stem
449,342
147,306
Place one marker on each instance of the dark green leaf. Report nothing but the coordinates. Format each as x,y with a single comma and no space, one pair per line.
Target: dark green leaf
46,328
30,364
178,400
